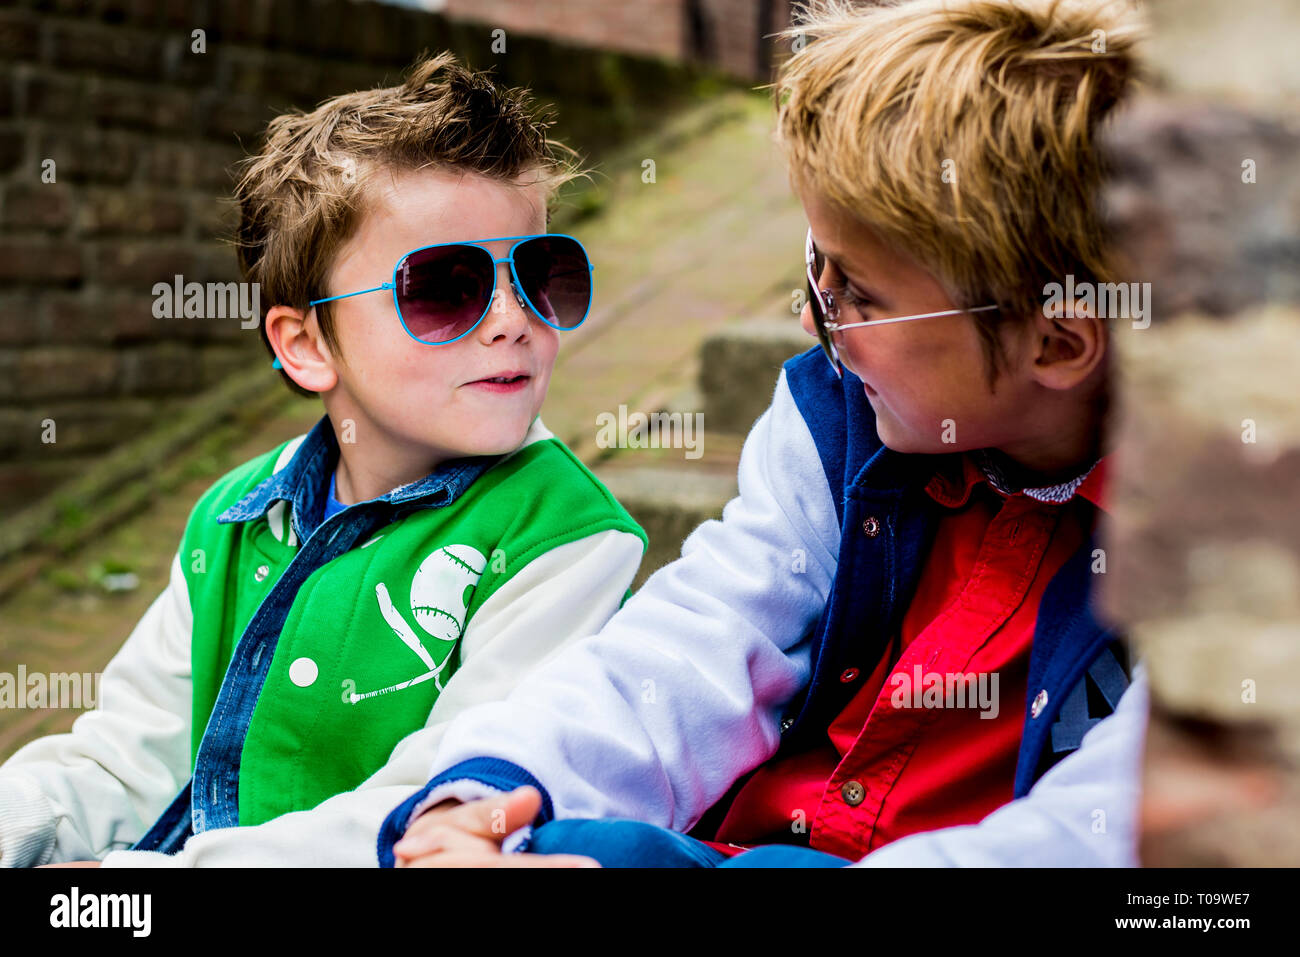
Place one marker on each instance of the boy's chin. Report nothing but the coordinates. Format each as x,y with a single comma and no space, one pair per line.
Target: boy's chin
893,437
499,442
898,439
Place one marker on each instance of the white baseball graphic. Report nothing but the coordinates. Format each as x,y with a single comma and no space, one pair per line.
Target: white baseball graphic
438,592
439,588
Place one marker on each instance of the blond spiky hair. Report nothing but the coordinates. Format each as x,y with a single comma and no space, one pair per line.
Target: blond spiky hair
965,132
302,195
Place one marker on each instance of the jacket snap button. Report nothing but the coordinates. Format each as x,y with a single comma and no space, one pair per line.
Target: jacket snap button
262,572
871,527
853,793
1040,702
850,674
303,672
786,724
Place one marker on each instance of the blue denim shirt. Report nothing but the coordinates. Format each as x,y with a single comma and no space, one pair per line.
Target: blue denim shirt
211,798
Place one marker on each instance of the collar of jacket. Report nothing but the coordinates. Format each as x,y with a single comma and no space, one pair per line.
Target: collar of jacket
304,479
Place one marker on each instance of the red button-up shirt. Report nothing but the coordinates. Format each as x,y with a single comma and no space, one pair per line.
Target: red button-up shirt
897,759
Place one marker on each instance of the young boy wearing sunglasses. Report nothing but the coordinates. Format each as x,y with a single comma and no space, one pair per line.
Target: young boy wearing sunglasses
336,600
884,651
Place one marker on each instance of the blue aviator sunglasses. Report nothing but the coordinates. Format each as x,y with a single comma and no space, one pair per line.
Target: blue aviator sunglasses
442,292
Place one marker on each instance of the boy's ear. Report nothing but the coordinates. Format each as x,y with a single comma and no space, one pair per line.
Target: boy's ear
296,339
1067,351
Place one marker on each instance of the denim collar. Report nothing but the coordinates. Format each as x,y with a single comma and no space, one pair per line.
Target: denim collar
302,483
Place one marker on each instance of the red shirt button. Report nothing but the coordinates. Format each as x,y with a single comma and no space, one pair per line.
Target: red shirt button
850,674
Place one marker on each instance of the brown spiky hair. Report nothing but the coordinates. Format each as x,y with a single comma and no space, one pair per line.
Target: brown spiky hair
304,193
965,132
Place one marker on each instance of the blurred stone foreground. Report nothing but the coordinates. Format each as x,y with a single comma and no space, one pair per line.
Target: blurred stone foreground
1204,543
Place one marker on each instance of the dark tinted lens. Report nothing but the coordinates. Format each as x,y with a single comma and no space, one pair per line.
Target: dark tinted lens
819,320
556,278
817,267
444,290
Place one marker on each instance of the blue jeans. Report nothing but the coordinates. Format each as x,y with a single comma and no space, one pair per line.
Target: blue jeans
620,843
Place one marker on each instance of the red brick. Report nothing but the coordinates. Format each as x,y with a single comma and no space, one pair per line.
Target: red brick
48,372
88,155
53,96
140,265
219,362
159,369
214,263
215,217
256,75
164,14
139,106
185,67
21,322
226,116
9,359
213,168
168,162
30,261
86,426
19,35
101,318
47,207
117,51
12,144
70,8
130,213
8,83
243,21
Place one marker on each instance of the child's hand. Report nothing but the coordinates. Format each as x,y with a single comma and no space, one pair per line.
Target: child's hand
72,864
452,834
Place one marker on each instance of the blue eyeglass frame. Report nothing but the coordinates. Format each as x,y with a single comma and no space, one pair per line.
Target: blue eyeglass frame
515,284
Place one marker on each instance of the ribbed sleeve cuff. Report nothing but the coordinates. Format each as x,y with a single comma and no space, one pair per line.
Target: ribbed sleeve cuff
27,823
491,773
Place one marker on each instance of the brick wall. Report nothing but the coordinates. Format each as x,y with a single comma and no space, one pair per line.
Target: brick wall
115,141
650,27
729,34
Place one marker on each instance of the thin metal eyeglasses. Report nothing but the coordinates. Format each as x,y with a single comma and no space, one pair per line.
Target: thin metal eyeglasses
825,309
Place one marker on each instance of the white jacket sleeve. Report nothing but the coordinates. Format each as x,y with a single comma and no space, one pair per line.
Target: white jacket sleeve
98,787
1082,813
681,693
566,593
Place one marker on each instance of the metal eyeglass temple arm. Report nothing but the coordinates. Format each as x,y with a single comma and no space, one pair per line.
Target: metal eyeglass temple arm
837,326
348,295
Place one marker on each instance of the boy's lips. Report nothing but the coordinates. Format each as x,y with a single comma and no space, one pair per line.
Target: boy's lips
511,380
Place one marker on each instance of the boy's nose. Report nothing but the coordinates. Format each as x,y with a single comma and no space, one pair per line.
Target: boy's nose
508,316
806,320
